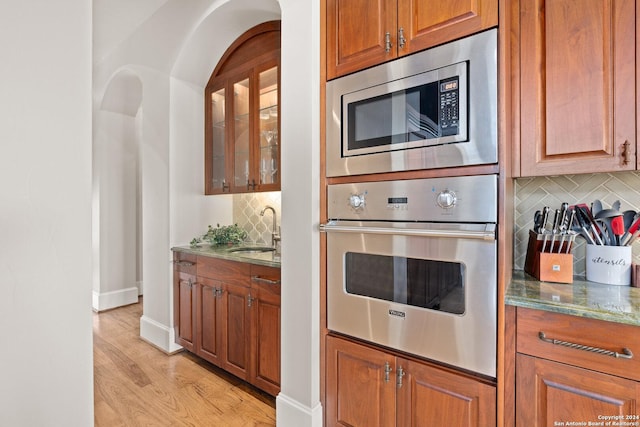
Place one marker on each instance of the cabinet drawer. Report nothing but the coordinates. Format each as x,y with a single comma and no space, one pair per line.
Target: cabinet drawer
266,279
184,263
579,341
232,272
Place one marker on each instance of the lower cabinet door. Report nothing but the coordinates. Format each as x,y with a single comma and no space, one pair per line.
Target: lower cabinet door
236,329
428,396
209,321
185,310
360,386
553,394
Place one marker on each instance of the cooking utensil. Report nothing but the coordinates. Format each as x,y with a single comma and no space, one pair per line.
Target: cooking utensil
590,222
617,226
616,205
605,216
581,226
596,207
554,228
628,218
626,238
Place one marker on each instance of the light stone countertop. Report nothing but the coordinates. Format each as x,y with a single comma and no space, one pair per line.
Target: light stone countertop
269,259
620,304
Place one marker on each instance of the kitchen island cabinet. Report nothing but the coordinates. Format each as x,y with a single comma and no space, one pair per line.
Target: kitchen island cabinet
368,386
575,86
362,33
228,313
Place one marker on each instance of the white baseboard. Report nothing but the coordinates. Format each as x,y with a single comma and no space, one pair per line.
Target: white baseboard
108,300
291,413
158,335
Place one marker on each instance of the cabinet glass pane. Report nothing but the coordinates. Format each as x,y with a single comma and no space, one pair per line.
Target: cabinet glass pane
218,138
269,156
241,132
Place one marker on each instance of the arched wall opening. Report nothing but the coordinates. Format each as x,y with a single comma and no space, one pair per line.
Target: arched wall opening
117,265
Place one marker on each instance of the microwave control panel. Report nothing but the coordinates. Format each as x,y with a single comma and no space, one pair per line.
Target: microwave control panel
449,106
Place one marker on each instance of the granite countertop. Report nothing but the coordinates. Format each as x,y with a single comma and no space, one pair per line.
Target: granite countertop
620,304
269,259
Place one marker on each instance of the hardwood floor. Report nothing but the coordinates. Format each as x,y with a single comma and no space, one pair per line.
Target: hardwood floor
136,384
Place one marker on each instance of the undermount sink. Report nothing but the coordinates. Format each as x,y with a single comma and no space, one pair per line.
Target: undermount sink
253,249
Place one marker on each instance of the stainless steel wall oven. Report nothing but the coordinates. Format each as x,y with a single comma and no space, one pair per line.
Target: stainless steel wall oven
432,109
412,265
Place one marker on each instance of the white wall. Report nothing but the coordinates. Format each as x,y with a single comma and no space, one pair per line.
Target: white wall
299,402
46,367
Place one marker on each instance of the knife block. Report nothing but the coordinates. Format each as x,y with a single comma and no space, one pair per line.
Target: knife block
549,266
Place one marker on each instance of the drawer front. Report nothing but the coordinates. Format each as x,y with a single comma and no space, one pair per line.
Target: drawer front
266,279
232,272
184,263
588,343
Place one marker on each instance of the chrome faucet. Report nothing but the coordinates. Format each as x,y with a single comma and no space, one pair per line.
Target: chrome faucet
275,231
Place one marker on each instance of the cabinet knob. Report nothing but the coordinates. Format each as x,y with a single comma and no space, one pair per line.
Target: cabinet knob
250,300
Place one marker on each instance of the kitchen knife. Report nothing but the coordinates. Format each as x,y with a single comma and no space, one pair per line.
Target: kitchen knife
537,221
554,228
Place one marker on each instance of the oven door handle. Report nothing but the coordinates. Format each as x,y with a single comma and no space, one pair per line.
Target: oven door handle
489,232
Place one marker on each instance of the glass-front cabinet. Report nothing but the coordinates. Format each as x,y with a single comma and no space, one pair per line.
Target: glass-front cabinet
242,115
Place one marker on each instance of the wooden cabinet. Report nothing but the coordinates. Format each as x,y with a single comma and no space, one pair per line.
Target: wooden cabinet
363,33
184,285
567,369
228,313
242,115
265,328
367,386
577,81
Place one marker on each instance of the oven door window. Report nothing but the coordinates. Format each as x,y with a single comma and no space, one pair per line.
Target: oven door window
434,285
427,109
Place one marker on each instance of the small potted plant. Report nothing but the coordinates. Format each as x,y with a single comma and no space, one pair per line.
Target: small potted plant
222,235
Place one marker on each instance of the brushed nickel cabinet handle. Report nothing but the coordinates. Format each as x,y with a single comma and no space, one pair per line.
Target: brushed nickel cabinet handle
185,263
259,279
400,374
387,371
626,353
401,40
387,42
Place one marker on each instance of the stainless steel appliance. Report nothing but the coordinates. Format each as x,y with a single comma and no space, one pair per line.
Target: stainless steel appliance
433,109
411,265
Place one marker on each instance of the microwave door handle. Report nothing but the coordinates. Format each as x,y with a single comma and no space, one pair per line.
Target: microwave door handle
488,234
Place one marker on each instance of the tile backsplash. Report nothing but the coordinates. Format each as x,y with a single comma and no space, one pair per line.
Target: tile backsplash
533,194
246,213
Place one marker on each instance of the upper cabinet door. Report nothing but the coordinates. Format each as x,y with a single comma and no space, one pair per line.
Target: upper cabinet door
425,24
216,156
242,115
363,33
360,33
268,152
577,86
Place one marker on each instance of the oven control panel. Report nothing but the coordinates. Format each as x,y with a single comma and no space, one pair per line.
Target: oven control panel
453,199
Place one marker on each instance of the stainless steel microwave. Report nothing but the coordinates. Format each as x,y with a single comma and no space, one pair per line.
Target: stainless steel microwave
432,109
